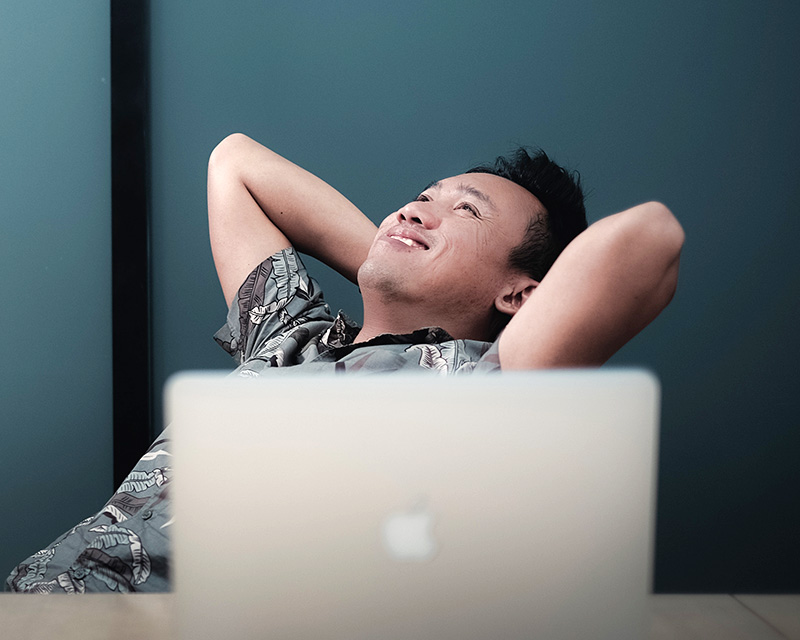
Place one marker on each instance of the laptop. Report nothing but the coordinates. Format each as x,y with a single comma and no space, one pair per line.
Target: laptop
397,506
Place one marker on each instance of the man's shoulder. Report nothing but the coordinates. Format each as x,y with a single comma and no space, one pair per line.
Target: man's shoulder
277,297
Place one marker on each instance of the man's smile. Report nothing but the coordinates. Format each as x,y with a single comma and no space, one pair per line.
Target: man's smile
409,238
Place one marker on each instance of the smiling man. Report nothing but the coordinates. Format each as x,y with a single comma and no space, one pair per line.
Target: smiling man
444,259
467,258
492,269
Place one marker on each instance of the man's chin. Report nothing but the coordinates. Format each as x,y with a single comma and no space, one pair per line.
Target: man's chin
377,281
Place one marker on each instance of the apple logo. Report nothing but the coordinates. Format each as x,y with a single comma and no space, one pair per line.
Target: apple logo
407,535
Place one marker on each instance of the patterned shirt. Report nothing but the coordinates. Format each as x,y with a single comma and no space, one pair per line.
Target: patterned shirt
278,321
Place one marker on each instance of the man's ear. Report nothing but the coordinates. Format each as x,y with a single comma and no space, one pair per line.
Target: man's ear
514,296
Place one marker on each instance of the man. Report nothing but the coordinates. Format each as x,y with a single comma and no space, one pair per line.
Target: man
492,269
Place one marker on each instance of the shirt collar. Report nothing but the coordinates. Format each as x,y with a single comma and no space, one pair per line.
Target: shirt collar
343,332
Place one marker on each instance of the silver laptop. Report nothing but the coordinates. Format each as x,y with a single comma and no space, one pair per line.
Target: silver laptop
514,505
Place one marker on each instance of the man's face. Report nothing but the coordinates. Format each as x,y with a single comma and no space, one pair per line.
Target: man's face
451,245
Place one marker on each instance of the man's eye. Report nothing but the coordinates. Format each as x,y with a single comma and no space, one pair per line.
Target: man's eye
467,206
421,198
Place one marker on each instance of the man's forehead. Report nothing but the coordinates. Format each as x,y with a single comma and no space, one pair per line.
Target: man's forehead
463,187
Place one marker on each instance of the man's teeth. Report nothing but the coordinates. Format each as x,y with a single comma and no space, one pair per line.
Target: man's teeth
408,241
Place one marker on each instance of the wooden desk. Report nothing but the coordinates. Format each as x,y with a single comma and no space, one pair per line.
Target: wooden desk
141,616
724,617
150,616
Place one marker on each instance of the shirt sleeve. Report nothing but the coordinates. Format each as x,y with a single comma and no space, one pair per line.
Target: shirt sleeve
489,362
276,297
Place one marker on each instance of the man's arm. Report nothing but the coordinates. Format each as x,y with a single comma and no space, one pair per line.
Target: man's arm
606,286
259,203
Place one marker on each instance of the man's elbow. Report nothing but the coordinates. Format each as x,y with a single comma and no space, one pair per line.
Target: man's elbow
227,151
661,230
664,237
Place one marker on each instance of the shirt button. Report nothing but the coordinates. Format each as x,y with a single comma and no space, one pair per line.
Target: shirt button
80,573
147,514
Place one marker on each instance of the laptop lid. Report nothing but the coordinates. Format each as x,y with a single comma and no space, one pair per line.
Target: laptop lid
511,505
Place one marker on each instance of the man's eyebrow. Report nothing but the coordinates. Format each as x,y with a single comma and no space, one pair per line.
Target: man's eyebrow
469,190
477,193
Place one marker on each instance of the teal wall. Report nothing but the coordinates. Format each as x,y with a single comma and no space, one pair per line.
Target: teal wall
55,314
690,103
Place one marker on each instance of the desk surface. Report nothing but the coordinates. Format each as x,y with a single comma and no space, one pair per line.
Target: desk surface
132,617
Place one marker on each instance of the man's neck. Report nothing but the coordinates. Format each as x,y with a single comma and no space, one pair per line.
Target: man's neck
380,319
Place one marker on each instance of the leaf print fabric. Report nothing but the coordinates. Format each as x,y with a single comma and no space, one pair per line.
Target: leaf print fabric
276,296
117,548
111,536
431,357
443,358
279,324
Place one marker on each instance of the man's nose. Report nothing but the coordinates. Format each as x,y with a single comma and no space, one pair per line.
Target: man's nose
417,213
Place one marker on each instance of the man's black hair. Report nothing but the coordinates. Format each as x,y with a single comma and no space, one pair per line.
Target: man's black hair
560,193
